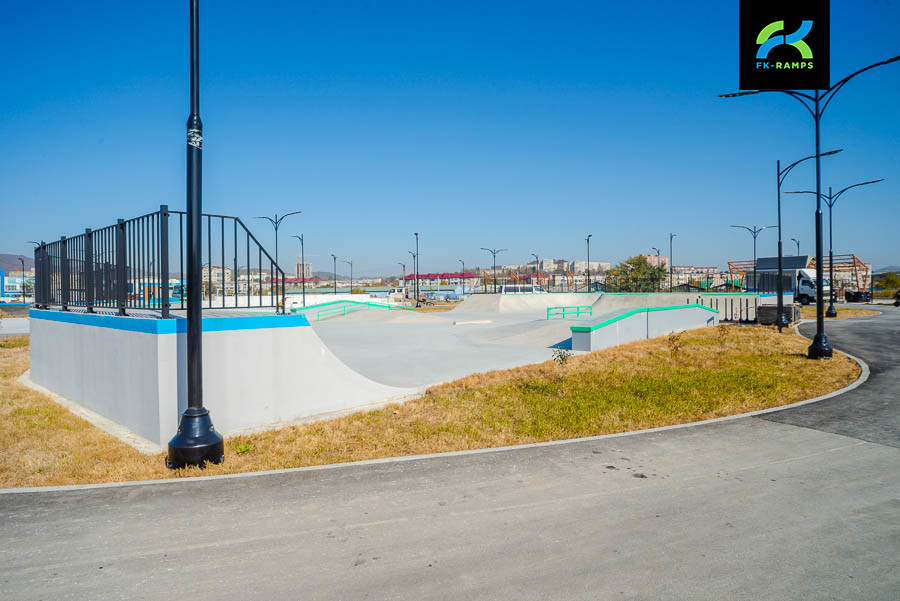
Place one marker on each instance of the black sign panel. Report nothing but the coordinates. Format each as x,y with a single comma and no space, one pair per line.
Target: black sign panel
784,45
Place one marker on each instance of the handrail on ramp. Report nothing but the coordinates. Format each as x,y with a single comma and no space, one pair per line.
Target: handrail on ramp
576,310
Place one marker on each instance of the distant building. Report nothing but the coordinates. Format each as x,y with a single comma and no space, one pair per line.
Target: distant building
304,270
657,260
580,267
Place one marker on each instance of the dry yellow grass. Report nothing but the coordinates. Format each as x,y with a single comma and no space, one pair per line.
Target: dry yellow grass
810,313
697,375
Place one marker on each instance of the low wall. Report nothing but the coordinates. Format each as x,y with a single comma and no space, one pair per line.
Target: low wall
629,324
258,371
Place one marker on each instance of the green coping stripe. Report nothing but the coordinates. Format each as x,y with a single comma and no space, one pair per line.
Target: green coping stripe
597,326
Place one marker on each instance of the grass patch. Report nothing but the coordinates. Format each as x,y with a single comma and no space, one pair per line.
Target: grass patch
434,309
692,376
810,313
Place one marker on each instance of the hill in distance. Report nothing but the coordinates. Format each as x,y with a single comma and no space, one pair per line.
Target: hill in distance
11,262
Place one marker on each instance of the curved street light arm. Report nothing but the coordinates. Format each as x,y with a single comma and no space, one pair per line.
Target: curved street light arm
835,196
830,92
787,169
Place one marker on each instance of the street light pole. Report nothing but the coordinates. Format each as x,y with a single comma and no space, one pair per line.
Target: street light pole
350,263
797,242
830,200
462,276
333,256
414,274
657,267
417,269
754,231
537,269
781,319
671,261
402,281
276,223
494,252
302,267
22,261
196,440
588,240
816,105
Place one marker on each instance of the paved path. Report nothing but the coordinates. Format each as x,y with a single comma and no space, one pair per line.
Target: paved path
744,509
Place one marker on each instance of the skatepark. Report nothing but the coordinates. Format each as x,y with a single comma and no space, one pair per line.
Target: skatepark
325,360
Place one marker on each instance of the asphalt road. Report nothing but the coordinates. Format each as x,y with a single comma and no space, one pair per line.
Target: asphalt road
801,505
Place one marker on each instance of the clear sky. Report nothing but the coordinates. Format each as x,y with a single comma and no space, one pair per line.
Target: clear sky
519,125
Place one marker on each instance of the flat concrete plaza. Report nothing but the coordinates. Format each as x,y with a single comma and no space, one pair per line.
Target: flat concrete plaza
801,505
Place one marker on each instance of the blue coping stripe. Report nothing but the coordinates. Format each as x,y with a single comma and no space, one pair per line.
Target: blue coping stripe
176,325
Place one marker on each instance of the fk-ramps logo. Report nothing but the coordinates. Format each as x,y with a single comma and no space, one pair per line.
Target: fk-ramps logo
784,45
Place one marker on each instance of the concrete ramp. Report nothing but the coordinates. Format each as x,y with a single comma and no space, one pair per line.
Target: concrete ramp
625,325
525,303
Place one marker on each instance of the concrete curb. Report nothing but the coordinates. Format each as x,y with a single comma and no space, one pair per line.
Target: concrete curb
863,376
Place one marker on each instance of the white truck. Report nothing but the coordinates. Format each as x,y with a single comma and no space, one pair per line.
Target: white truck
804,283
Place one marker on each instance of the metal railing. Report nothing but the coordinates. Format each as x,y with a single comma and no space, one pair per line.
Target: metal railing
574,310
140,264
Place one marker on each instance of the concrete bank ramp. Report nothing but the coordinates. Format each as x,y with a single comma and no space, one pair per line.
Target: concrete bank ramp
525,303
625,325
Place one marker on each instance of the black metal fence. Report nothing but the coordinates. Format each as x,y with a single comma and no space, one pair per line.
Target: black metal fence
140,264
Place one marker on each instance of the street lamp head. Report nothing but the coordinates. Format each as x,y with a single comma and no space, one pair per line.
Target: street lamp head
736,94
831,152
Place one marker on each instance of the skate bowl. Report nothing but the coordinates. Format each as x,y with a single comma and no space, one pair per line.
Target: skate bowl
628,325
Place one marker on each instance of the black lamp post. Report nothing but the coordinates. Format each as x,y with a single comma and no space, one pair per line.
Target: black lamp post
588,240
657,267
38,270
462,276
830,200
417,268
494,252
816,105
415,275
671,261
196,440
537,268
335,272
302,267
22,261
402,281
781,320
797,242
755,231
350,263
276,223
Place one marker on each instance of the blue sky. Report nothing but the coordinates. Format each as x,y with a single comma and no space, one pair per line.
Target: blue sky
517,125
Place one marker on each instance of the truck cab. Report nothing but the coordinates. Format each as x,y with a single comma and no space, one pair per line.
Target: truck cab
805,289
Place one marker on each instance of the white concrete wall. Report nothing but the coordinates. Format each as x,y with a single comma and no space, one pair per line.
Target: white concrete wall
123,375
253,377
642,325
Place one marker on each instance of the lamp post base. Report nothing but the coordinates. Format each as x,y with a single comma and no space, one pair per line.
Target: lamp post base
820,349
196,441
831,312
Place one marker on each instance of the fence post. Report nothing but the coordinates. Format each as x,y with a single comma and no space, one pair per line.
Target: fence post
121,291
64,272
164,259
89,270
38,275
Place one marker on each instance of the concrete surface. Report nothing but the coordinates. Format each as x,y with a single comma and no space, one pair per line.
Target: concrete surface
746,509
401,348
